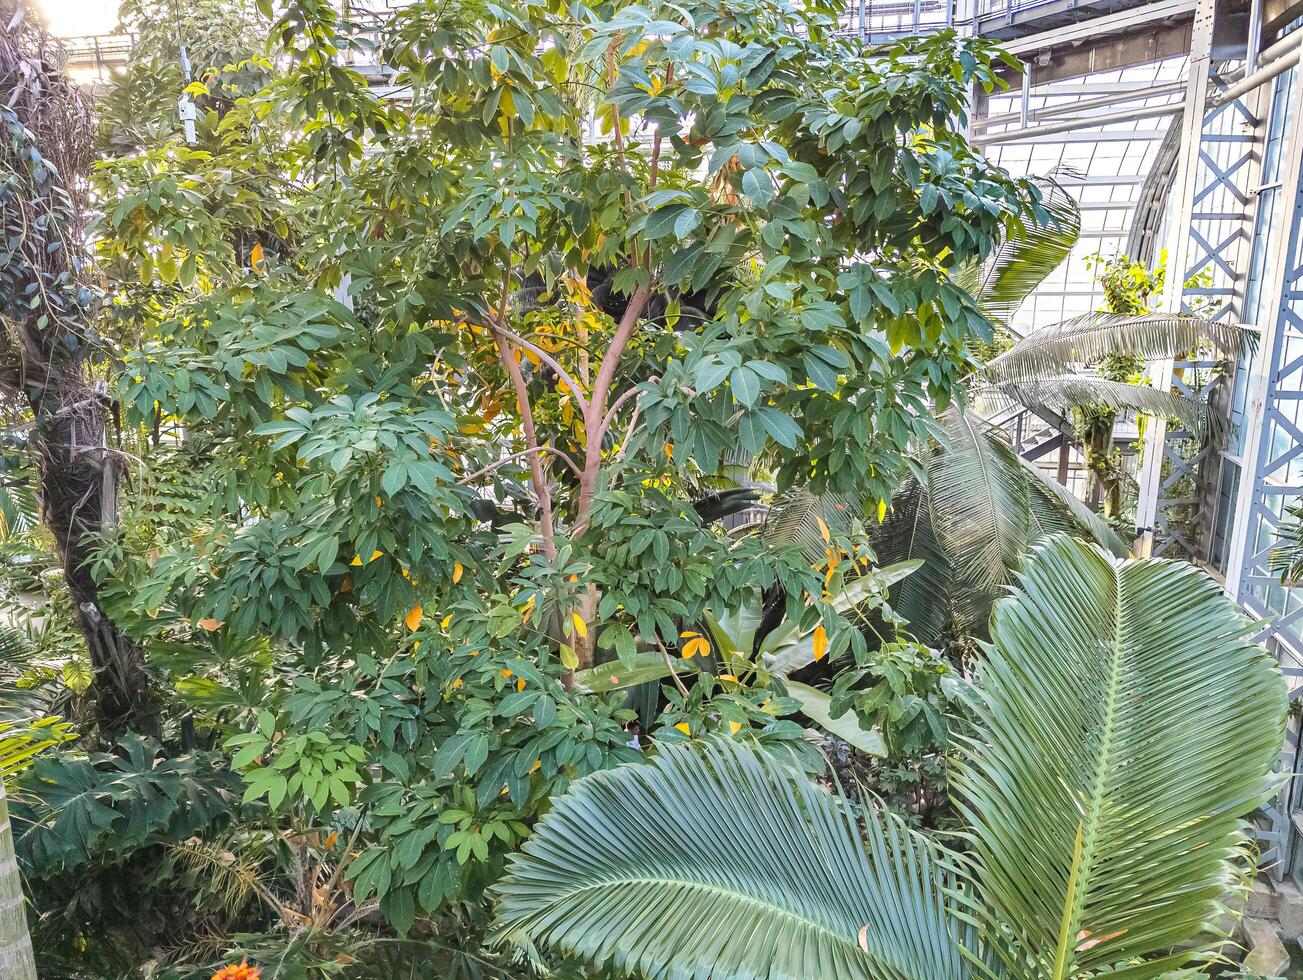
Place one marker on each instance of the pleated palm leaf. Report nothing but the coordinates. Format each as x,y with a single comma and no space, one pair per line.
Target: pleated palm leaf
1062,393
1105,819
1055,350
1286,556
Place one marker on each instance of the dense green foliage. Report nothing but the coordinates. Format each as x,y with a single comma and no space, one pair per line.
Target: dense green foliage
433,421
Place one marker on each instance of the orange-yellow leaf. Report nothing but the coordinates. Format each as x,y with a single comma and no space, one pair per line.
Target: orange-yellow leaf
414,617
210,624
581,628
734,727
443,623
820,642
684,728
456,572
697,646
520,683
257,258
823,529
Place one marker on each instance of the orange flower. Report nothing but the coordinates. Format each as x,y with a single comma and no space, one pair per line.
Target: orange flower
241,972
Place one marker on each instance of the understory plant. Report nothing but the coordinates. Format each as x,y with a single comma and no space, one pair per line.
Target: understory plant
1104,824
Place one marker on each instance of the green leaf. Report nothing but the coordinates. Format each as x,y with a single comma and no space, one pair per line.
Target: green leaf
816,705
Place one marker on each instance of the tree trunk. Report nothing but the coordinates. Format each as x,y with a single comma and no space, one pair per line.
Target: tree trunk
47,307
16,959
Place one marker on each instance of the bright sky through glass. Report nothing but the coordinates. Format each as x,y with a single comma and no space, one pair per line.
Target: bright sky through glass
71,18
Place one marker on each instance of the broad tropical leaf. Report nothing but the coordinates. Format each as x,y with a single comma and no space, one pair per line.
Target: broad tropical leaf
791,885
1106,817
1056,349
1022,261
817,706
1065,392
978,497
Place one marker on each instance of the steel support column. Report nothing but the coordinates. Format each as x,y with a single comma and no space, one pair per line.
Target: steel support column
1209,214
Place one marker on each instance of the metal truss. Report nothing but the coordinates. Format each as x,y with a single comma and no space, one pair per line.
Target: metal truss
1210,217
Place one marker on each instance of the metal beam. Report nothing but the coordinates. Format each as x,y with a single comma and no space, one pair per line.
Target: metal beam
1098,27
1087,122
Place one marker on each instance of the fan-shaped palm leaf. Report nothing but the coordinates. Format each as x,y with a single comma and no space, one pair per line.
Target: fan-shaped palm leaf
1106,818
1062,393
806,892
17,509
977,493
1053,350
1023,260
795,514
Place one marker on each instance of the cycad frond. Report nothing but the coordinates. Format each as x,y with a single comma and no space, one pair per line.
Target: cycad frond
1053,505
1107,820
808,890
1055,349
977,492
794,518
906,534
1062,393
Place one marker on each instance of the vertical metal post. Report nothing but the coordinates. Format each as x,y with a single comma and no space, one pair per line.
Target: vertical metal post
1024,105
1180,209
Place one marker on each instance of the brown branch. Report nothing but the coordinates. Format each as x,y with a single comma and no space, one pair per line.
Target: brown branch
524,452
597,404
547,359
506,354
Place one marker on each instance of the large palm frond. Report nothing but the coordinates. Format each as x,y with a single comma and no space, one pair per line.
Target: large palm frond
906,534
1055,349
1023,260
795,514
17,508
1106,817
1061,393
792,885
977,493
1057,510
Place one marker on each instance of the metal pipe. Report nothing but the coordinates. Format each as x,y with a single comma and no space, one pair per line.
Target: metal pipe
1068,125
1265,74
1066,108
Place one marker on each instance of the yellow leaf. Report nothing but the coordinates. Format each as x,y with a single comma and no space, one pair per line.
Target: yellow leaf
697,646
443,623
734,727
506,671
581,628
536,766
379,501
257,259
569,659
456,572
375,555
357,560
823,529
882,511
457,683
210,624
684,728
820,642
414,617
520,683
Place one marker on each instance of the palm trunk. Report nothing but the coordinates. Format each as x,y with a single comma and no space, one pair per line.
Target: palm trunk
16,959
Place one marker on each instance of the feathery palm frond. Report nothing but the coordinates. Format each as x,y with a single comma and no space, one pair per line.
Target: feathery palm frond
17,509
809,891
977,493
1286,557
792,519
906,534
1022,261
1084,339
1053,503
1106,819
1065,392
